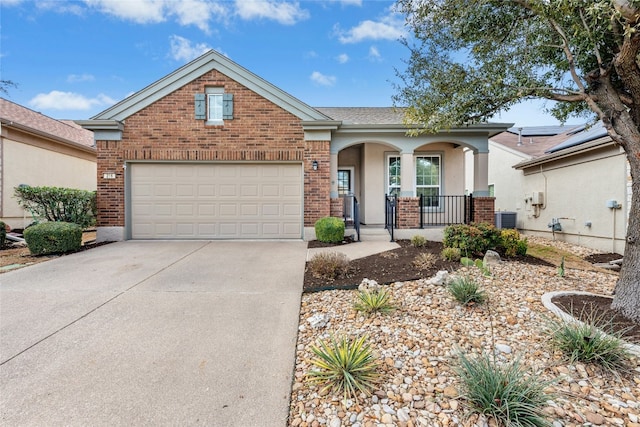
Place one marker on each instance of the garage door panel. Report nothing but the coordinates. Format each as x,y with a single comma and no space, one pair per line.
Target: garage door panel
210,201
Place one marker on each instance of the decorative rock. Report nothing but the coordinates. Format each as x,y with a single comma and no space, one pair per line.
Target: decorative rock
318,320
594,418
441,278
450,391
503,348
387,419
369,286
403,414
491,258
335,422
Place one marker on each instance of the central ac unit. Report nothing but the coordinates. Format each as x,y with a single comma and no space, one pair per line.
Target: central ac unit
505,220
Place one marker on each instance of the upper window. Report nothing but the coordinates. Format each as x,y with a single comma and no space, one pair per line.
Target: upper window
214,105
393,175
428,179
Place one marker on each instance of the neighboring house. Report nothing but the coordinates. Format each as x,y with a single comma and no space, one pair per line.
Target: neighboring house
213,151
40,151
569,175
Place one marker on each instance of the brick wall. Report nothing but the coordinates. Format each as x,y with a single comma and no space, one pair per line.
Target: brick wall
408,212
167,130
484,210
337,207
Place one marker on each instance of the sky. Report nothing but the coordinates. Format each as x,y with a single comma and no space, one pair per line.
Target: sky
74,59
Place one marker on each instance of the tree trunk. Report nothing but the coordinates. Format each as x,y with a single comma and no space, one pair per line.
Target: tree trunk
627,291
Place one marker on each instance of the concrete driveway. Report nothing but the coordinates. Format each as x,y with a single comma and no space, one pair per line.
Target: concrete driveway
152,333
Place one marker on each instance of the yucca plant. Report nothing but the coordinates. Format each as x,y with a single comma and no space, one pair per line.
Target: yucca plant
374,301
508,393
424,261
344,366
593,341
466,291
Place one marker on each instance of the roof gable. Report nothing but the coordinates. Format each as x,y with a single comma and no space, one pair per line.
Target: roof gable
211,60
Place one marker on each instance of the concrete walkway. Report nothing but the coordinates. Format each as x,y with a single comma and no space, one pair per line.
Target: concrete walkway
152,333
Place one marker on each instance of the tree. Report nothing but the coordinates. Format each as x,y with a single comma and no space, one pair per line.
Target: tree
5,85
471,59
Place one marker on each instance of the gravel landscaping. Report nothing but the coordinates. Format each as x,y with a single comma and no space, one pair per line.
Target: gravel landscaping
417,346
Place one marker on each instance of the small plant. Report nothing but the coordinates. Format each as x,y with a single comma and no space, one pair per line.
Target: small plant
451,254
374,301
329,229
329,265
474,239
344,366
480,264
511,243
418,241
58,204
53,237
466,291
424,261
561,271
508,393
593,341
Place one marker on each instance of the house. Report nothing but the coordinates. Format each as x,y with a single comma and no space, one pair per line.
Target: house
40,151
213,151
569,183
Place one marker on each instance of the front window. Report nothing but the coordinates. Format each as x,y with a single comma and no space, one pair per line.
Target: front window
428,179
393,175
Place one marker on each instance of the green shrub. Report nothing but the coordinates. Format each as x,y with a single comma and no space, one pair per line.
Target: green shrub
594,341
57,204
53,237
424,261
451,254
522,247
329,229
329,265
344,366
508,393
418,241
3,234
374,301
509,240
466,291
472,239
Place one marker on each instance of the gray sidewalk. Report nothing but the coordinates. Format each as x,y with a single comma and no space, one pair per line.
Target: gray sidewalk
152,333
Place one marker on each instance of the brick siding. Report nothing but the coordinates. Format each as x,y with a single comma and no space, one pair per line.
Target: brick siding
168,131
337,207
484,210
408,209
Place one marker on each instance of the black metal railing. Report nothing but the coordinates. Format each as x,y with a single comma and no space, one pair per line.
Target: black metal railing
445,210
391,213
351,213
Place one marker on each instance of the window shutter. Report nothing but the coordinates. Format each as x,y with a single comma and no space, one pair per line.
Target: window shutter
200,106
227,106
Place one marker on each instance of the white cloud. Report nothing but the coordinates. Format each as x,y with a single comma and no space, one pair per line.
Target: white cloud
343,58
58,100
283,12
374,54
186,12
388,28
184,50
348,2
140,11
78,78
10,2
321,79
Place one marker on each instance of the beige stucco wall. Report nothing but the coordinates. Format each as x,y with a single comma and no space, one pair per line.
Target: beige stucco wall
36,166
577,193
373,175
575,190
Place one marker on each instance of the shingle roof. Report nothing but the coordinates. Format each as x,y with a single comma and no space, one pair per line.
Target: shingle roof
364,115
12,113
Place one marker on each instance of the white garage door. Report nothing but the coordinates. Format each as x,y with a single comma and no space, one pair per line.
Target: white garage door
216,201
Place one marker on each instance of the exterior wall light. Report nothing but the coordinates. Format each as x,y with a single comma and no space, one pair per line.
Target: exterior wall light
314,165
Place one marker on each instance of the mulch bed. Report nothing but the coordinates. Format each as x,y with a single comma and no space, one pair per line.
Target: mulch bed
588,308
391,266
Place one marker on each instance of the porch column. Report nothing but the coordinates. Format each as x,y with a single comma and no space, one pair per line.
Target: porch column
481,174
333,173
407,174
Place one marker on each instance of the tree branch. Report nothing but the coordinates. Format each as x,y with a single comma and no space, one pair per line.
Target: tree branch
568,54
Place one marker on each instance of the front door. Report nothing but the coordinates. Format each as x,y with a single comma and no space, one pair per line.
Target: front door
345,190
